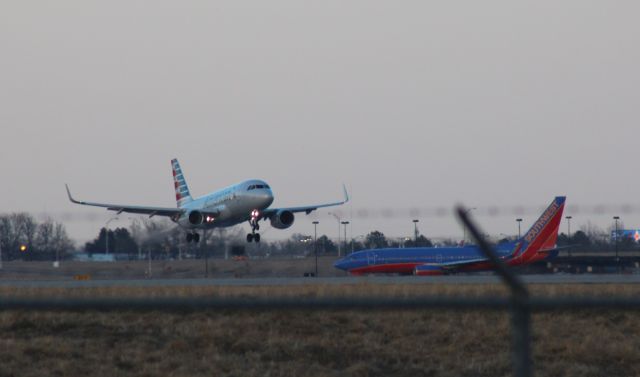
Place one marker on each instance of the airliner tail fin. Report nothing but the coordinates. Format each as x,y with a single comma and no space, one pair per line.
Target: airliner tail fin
543,234
183,195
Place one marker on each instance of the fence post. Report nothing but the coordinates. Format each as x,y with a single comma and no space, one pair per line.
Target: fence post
520,308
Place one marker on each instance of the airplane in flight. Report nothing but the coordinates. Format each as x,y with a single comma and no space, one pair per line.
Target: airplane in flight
245,201
537,244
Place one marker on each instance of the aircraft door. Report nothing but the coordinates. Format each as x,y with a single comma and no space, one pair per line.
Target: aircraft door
439,258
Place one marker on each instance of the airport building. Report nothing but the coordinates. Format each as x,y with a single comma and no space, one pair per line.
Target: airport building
634,234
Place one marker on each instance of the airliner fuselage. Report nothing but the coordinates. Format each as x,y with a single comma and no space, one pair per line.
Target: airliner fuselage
233,204
245,201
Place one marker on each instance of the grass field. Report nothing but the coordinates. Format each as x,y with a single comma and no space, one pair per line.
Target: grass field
321,343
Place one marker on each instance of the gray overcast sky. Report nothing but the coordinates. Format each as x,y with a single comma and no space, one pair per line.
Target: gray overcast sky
411,104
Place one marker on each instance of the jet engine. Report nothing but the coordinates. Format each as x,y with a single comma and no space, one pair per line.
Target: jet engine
428,270
282,219
192,218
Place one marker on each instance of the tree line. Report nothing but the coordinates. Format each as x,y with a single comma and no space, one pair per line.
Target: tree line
161,239
23,237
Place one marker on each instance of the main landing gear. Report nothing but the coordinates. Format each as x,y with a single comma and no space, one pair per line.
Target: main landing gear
253,236
195,237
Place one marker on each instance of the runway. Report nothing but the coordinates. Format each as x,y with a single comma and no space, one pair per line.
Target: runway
373,280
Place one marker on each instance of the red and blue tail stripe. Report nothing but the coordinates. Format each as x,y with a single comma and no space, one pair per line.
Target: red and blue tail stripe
541,236
183,195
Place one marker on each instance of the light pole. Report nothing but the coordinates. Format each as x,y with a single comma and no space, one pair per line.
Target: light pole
464,228
106,234
345,223
57,263
569,233
338,219
315,243
616,218
415,232
149,262
519,221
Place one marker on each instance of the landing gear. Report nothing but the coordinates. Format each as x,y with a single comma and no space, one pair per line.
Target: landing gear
253,236
195,237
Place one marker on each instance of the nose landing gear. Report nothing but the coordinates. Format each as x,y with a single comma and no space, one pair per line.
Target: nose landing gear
253,236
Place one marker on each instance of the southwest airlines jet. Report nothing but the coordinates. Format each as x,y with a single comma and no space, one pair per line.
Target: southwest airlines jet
536,245
245,201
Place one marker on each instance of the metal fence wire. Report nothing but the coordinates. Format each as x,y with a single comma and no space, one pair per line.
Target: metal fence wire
407,212
520,304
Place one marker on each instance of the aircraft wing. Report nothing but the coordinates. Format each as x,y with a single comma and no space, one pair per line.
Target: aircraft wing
457,264
307,209
151,211
443,268
450,266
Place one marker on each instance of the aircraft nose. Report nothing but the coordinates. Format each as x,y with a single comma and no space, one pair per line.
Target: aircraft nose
340,264
265,198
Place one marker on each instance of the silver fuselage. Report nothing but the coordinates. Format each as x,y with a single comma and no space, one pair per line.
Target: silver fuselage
234,203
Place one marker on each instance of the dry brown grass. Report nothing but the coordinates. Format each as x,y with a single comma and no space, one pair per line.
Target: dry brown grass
311,290
305,343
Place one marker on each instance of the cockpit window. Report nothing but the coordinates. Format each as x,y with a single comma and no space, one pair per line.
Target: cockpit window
255,187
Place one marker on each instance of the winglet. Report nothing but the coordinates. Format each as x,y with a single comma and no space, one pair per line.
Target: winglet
346,194
71,197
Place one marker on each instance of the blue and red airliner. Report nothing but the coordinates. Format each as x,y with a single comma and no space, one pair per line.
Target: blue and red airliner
536,244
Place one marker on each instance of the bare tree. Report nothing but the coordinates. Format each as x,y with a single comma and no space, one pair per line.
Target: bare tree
26,226
43,240
594,232
60,242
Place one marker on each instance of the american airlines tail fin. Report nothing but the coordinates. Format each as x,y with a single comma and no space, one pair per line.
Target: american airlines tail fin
542,235
183,196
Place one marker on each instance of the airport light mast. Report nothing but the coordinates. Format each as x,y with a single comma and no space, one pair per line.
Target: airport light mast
569,233
615,239
315,243
415,232
345,223
519,220
337,218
